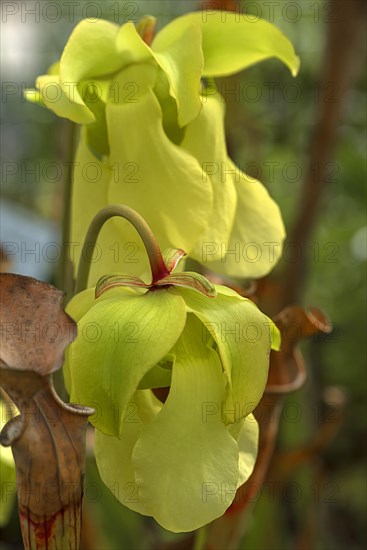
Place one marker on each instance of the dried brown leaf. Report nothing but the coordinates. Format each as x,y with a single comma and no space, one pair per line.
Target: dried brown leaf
287,370
48,437
35,329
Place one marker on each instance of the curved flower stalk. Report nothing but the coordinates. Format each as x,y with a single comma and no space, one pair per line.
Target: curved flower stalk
182,461
152,128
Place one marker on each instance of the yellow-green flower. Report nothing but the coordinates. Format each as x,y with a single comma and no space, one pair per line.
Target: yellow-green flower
182,461
153,138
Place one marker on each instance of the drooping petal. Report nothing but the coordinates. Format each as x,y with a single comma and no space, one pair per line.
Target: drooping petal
91,51
233,41
246,433
274,331
54,97
119,340
131,46
181,58
81,303
157,377
256,240
205,140
186,461
90,179
50,94
119,247
243,336
77,308
167,190
169,109
245,235
113,454
94,94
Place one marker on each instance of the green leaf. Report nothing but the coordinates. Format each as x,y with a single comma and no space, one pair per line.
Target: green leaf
232,42
242,334
168,190
119,340
205,140
186,458
181,58
256,240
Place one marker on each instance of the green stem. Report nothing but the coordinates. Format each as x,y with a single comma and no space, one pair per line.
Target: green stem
66,269
200,538
157,265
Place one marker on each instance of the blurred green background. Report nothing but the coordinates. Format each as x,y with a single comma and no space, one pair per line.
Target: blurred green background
270,123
